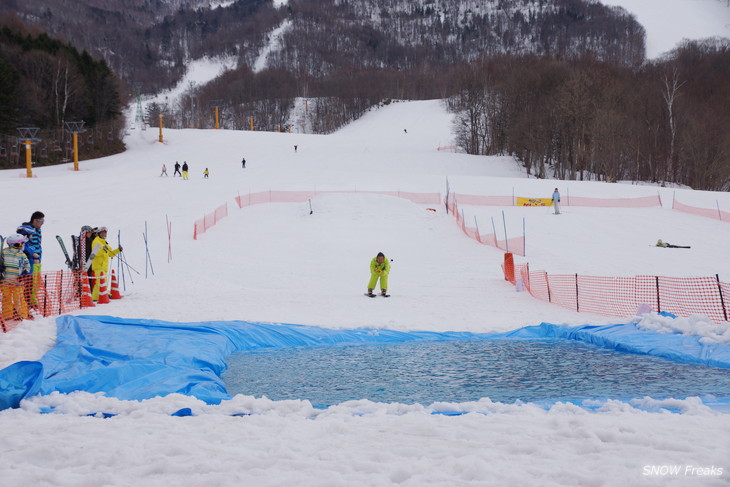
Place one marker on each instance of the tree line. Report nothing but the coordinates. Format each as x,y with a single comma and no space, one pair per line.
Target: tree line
45,83
665,121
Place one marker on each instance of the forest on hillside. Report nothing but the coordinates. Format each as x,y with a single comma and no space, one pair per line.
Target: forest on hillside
562,85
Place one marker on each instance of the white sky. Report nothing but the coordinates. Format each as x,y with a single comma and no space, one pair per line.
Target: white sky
668,22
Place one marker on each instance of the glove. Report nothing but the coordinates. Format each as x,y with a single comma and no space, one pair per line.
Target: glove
120,248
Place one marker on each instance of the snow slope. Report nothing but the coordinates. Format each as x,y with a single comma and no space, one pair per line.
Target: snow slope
276,262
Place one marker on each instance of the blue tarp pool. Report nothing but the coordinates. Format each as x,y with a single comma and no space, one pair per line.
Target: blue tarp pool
136,359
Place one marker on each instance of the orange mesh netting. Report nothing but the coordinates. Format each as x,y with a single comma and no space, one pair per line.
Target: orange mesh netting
621,296
47,294
715,213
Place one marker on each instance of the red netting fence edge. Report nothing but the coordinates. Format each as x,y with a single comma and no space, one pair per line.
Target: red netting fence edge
714,213
44,294
622,296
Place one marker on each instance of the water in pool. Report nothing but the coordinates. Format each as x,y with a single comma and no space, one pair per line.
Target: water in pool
459,371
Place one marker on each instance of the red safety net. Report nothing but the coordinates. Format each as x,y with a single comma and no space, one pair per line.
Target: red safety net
209,220
515,245
621,296
47,294
302,196
639,202
715,213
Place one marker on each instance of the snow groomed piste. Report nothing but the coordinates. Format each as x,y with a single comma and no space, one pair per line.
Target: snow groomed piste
134,359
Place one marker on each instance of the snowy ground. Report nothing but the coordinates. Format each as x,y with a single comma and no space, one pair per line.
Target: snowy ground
279,263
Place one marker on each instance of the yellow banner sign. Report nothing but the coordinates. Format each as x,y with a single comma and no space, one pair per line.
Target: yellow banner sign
534,201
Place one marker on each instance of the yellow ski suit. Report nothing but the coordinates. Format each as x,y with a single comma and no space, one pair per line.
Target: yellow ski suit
379,271
100,255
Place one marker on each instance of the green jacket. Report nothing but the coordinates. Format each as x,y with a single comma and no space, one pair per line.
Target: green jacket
382,269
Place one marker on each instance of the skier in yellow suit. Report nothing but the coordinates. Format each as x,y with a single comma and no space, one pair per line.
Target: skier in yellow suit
101,252
379,269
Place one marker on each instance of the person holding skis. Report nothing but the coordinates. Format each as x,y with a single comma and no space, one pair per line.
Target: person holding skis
379,269
556,201
98,260
15,267
33,250
177,169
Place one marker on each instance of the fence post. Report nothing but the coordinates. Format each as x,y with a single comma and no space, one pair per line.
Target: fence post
547,285
45,295
524,239
476,225
504,223
719,213
60,292
722,298
577,301
658,302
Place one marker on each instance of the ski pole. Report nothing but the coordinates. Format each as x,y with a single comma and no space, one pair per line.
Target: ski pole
120,267
129,267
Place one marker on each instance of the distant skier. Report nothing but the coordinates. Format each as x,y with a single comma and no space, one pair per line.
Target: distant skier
379,269
295,148
205,173
556,201
405,131
185,170
177,169
243,163
164,170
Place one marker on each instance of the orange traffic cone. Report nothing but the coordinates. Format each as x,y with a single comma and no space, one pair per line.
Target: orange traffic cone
103,291
115,287
86,301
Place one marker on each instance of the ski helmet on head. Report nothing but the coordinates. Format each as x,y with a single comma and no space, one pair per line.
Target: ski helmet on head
101,229
16,239
87,228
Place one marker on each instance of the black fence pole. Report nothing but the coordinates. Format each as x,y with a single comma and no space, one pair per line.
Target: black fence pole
547,284
722,299
60,293
577,300
658,302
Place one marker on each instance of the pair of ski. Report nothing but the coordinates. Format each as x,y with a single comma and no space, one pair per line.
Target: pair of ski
72,264
372,295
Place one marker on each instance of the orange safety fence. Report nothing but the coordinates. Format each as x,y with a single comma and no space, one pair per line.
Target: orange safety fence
302,196
515,244
622,296
714,213
47,294
567,200
209,220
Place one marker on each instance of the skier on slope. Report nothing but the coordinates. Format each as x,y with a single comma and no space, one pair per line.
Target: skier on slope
379,269
556,201
98,261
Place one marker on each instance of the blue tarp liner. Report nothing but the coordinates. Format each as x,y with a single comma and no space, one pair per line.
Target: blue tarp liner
135,359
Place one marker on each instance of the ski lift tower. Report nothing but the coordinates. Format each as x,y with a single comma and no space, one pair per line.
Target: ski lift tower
216,104
29,135
75,128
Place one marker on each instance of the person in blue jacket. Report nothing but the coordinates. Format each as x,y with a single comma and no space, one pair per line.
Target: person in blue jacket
34,251
556,201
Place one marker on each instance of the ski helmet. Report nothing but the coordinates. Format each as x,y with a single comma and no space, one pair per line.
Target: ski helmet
101,229
16,239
